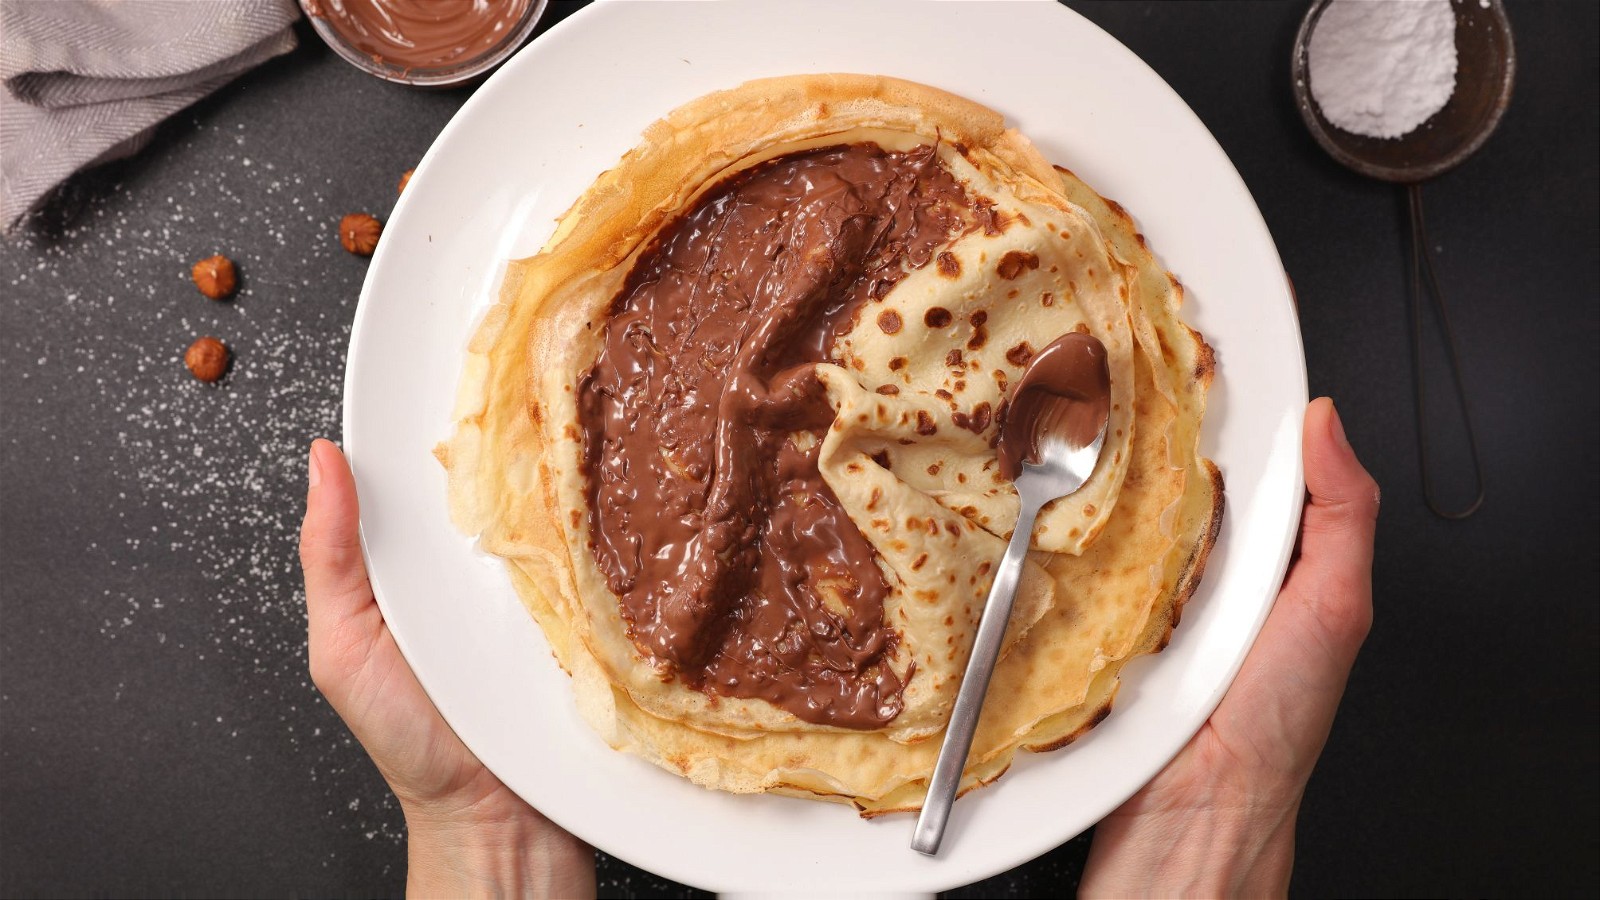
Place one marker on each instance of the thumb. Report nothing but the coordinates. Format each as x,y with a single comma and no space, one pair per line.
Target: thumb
1333,576
342,617
1343,507
1283,702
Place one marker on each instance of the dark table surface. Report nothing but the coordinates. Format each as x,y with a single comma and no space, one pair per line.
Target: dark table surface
158,731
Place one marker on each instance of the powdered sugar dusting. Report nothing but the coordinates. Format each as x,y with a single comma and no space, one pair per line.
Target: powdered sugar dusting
209,475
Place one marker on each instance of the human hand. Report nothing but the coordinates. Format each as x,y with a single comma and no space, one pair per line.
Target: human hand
1219,820
468,834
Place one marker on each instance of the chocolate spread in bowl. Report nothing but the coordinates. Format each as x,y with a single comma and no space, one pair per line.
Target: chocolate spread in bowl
421,34
734,563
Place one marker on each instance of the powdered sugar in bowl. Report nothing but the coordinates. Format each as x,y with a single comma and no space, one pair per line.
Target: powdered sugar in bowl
1483,71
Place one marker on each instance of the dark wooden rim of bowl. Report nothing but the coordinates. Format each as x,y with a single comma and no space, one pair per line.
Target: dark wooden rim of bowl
1427,168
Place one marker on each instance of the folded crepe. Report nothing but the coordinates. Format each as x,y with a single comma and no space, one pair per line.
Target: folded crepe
733,433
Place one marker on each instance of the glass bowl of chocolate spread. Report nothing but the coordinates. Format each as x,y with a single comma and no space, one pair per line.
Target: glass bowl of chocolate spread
426,43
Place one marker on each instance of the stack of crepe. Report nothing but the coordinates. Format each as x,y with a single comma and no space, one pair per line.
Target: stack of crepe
1111,565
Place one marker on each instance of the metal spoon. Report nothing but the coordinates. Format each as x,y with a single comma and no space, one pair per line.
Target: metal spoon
1061,438
1486,67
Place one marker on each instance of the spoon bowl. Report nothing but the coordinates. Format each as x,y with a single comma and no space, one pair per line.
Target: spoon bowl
1486,63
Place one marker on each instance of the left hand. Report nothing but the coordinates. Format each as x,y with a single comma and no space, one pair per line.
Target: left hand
468,833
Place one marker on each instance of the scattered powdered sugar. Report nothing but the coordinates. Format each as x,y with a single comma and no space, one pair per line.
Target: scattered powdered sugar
1381,68
202,523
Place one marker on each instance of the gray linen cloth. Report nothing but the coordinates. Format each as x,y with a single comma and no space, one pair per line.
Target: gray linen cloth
87,81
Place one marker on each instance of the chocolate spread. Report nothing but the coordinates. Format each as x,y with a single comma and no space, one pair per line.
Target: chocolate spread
735,565
1064,391
421,34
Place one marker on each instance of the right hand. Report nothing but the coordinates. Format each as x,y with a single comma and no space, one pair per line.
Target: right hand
1219,820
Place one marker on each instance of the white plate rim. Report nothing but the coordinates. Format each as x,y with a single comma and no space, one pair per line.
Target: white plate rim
933,876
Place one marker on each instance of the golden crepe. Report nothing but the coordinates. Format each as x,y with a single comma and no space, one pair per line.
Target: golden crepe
655,346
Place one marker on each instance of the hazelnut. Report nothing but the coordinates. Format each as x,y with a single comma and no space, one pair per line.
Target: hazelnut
207,358
405,179
359,232
214,276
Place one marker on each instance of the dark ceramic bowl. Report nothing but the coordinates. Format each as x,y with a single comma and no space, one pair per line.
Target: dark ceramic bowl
1486,63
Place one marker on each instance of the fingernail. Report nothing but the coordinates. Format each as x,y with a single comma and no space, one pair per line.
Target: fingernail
313,469
1338,426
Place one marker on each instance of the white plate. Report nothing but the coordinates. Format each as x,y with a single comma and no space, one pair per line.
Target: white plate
530,141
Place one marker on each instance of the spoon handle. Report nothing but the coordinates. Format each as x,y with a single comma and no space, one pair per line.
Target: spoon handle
1422,265
969,700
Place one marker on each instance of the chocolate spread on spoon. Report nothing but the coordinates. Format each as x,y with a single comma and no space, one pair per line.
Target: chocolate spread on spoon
421,34
1062,393
735,565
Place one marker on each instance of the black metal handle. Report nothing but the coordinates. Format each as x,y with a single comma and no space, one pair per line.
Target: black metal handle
1422,268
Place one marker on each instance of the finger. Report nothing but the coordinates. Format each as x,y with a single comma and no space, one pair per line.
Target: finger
1282,705
1344,497
1333,577
341,614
